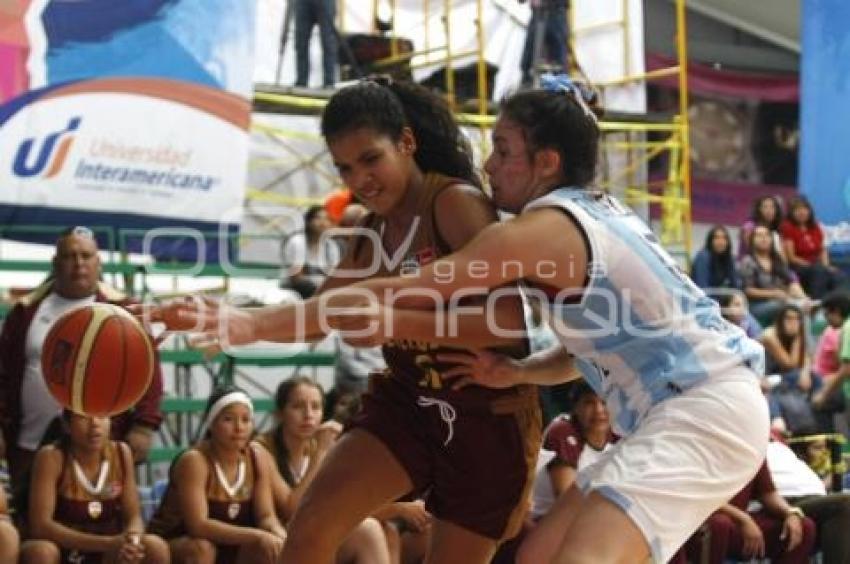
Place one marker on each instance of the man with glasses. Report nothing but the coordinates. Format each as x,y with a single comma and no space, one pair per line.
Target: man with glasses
27,409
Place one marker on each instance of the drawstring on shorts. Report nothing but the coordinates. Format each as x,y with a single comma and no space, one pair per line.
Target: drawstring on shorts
447,413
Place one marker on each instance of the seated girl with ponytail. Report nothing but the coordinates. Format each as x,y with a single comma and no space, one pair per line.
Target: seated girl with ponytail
218,506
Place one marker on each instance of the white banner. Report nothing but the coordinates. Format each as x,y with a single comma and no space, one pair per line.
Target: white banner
122,152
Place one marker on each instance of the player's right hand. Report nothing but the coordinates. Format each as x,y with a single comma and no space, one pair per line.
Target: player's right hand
482,368
216,326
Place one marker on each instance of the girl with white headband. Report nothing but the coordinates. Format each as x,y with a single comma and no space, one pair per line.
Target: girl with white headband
83,501
218,505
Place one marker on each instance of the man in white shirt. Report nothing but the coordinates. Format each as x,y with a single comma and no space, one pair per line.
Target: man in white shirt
802,488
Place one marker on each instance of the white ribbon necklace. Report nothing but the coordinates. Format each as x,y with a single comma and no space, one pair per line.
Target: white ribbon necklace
231,489
298,473
93,489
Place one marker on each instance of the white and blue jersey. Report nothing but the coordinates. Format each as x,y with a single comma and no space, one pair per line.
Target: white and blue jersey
641,330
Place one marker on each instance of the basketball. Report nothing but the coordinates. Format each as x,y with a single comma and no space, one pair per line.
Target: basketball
97,360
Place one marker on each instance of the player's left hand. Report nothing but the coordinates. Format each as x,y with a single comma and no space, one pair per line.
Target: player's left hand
482,368
132,551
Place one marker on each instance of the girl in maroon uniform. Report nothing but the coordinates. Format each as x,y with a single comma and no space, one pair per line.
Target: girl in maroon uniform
218,505
83,501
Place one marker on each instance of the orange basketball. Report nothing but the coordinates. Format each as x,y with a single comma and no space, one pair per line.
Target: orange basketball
97,360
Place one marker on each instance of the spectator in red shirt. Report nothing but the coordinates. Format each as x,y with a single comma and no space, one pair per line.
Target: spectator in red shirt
803,240
777,531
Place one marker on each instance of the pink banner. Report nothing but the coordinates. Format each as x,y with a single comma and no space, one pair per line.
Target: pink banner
704,79
14,49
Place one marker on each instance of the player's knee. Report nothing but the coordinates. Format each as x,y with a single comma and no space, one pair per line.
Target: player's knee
9,542
369,534
8,533
371,527
40,552
156,549
200,551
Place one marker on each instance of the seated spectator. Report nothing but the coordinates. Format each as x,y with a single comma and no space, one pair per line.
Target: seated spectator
827,365
802,488
834,384
767,281
714,267
298,444
777,530
733,307
307,257
577,441
804,246
26,407
766,211
83,505
9,541
218,506
786,355
570,443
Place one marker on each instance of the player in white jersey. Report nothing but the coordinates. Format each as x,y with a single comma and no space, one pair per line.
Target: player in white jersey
680,383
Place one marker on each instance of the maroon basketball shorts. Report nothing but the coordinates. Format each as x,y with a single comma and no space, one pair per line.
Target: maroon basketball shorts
471,459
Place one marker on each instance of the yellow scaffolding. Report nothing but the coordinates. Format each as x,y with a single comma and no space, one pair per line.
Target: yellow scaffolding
672,194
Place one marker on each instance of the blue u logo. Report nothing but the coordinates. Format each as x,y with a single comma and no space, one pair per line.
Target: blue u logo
46,153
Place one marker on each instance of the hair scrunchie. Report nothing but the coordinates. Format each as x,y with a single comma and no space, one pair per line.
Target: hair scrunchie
563,84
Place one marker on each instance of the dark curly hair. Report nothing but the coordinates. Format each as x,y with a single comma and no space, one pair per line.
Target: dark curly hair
387,107
556,120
